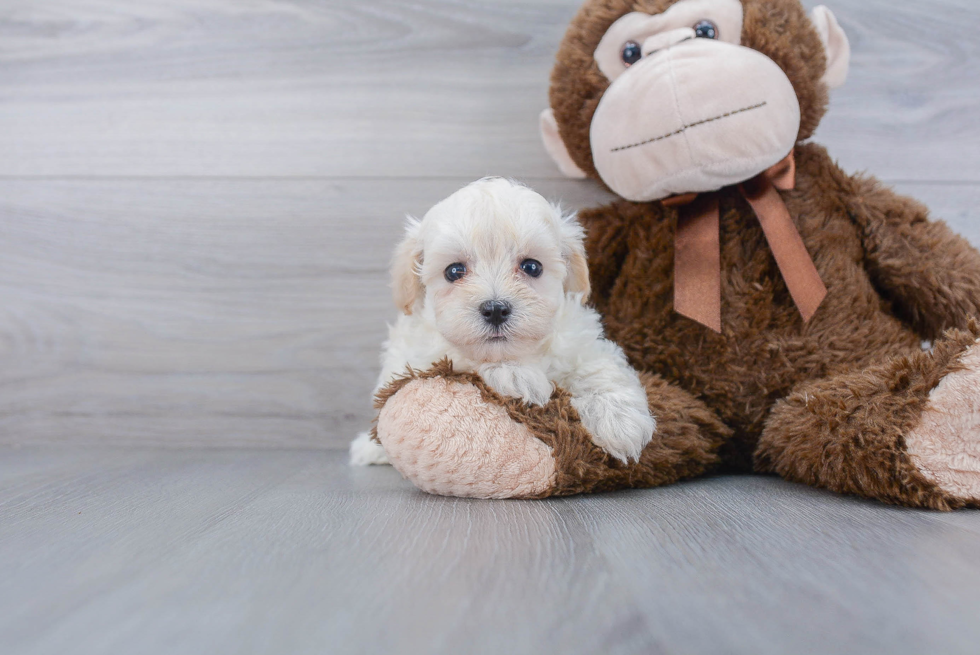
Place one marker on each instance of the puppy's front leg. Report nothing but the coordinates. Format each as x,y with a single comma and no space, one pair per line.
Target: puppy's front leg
529,383
619,422
612,402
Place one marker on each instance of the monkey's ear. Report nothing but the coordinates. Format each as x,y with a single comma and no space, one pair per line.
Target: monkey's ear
573,251
556,147
406,282
835,45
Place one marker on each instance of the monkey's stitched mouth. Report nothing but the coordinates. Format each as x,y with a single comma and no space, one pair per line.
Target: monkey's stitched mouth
687,127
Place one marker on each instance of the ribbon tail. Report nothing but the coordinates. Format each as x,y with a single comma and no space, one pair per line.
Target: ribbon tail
795,263
697,263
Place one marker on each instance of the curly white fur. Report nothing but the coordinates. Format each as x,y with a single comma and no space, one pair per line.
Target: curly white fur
551,337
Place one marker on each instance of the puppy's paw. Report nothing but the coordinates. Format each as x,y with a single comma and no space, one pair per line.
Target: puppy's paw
364,451
528,383
620,423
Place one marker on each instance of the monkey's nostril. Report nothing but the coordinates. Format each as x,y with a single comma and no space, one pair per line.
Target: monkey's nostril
495,312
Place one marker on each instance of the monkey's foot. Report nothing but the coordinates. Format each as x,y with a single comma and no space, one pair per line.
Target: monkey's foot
945,446
904,430
443,437
451,434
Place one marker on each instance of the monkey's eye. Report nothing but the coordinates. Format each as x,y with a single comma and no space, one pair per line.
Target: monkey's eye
532,267
706,30
632,52
455,272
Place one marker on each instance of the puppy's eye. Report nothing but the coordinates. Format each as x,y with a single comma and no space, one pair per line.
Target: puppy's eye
706,30
631,53
455,272
532,267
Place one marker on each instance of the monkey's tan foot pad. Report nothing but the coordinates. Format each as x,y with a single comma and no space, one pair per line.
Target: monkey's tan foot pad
945,446
446,439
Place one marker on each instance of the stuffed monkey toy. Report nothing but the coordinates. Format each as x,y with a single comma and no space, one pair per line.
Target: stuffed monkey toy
775,306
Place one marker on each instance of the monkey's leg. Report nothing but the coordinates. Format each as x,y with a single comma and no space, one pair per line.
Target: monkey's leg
906,432
452,435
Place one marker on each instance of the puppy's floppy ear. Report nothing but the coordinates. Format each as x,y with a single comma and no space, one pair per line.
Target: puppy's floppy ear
573,251
406,263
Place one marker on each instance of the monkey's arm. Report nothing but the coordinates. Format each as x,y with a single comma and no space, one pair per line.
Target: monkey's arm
930,273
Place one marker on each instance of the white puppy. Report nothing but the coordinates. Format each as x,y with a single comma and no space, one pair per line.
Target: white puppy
495,278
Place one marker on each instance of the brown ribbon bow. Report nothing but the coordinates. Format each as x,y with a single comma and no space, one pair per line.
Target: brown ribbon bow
697,247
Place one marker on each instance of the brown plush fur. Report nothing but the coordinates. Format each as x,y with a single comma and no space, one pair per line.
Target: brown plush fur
764,349
826,403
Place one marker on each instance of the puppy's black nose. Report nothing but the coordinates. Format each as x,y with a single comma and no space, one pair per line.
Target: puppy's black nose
495,312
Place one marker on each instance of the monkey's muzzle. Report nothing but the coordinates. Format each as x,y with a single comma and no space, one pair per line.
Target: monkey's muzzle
695,117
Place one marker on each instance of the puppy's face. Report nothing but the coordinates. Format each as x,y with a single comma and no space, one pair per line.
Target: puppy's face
489,267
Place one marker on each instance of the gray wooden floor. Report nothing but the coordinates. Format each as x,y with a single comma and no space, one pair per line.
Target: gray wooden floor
291,551
197,203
